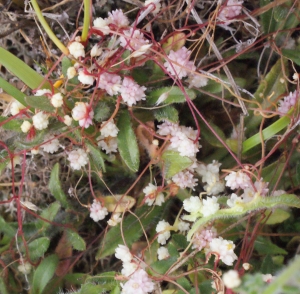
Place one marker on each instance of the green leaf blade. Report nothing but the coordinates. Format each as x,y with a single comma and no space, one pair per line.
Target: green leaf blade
40,102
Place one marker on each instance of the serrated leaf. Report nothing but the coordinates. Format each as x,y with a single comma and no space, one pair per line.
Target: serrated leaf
291,54
169,113
38,247
96,157
174,163
76,241
265,246
44,273
11,124
55,187
127,143
102,111
174,95
49,214
132,230
40,102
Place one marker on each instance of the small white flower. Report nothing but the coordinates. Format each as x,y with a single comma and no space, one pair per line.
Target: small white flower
197,81
85,79
267,278
163,228
24,268
96,51
230,10
40,120
16,107
210,206
109,129
43,92
76,49
152,196
118,18
128,268
123,253
133,39
192,204
25,127
185,179
131,92
57,100
83,113
98,212
71,72
115,219
51,146
78,158
234,200
102,25
183,226
237,180
111,83
231,279
203,238
224,249
139,283
162,253
109,145
67,120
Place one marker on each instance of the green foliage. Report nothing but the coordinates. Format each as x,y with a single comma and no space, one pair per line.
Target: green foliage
76,241
169,113
48,214
37,248
174,163
127,142
40,102
133,228
265,246
44,273
96,157
55,187
11,125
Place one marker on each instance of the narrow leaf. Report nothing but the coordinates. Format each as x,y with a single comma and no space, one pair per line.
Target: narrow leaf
49,214
55,187
174,163
40,102
127,143
44,273
96,157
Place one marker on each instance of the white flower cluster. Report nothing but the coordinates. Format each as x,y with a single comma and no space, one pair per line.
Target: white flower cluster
76,49
210,175
56,99
108,138
230,10
163,229
155,5
40,121
237,180
133,39
288,102
153,196
16,107
231,279
98,212
203,238
223,249
129,265
182,140
83,113
78,158
162,253
197,207
178,63
51,145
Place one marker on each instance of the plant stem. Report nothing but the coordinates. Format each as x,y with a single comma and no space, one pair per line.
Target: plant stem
86,20
47,28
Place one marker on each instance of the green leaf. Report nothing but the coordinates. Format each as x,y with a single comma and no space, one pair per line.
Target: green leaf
21,70
267,20
174,163
65,64
44,273
3,287
6,228
267,266
76,241
91,289
55,187
11,124
162,266
169,113
127,143
291,54
96,157
132,230
40,102
102,111
265,246
209,137
179,241
106,280
276,217
175,95
49,214
38,247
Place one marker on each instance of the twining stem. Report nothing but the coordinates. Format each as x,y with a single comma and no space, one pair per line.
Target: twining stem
86,20
47,28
